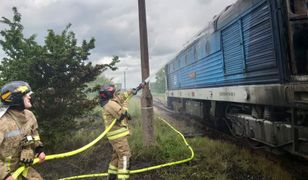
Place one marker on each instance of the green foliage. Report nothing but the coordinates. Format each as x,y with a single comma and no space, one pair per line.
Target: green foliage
134,107
95,85
159,85
57,71
22,50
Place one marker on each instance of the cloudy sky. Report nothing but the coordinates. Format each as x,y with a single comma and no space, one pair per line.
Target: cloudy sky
114,25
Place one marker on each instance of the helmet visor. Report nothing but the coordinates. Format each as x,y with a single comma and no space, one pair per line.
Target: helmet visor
29,93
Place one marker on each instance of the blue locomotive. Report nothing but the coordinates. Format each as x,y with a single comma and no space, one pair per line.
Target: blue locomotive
248,69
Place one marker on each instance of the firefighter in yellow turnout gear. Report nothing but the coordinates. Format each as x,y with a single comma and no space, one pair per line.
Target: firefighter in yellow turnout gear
19,139
115,107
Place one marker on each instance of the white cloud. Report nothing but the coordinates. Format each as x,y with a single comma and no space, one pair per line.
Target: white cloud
114,25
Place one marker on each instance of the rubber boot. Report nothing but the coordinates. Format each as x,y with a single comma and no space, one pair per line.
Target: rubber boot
112,177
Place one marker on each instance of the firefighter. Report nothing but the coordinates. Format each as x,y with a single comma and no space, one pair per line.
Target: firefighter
19,139
114,105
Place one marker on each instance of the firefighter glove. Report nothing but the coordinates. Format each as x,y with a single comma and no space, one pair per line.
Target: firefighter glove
129,117
39,150
27,156
140,86
134,91
123,115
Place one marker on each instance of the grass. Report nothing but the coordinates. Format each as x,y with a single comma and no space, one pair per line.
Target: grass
221,159
161,96
214,159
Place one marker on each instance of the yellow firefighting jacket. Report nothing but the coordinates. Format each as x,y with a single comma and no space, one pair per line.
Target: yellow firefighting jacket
113,110
14,127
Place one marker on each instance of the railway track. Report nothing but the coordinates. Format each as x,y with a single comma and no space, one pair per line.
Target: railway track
189,126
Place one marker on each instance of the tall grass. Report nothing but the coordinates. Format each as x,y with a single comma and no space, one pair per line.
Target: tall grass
222,158
214,159
168,147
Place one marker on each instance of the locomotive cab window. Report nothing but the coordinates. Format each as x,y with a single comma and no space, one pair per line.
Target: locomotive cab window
195,53
186,60
190,55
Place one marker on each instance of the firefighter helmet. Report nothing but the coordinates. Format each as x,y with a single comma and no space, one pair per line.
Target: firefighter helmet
11,93
106,92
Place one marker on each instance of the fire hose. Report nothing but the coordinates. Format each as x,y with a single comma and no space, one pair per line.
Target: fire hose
77,151
147,168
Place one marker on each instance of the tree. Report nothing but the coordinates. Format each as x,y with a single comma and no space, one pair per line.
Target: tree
159,85
57,71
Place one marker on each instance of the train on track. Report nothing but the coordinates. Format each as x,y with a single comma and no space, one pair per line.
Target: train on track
248,70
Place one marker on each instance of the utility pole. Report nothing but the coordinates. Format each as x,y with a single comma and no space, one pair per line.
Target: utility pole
146,98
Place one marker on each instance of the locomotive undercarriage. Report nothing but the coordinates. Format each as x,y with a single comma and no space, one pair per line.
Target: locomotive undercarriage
273,126
284,128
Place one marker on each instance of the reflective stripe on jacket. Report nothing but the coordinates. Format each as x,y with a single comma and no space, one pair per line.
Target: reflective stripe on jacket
113,110
112,135
14,126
